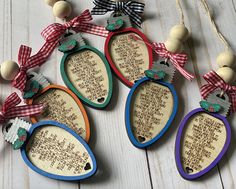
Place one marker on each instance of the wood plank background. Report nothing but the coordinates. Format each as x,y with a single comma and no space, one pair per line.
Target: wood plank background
120,164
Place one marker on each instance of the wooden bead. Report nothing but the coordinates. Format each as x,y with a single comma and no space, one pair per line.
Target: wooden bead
173,45
179,32
9,69
227,74
61,9
51,2
226,58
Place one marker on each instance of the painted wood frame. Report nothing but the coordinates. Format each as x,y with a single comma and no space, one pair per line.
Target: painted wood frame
71,86
128,112
182,126
109,58
80,105
50,175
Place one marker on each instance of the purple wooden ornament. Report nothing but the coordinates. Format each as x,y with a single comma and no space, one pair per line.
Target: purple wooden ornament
185,172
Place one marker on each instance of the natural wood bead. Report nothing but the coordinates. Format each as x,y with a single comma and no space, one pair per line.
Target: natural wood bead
226,58
51,2
227,74
61,9
179,32
173,45
9,69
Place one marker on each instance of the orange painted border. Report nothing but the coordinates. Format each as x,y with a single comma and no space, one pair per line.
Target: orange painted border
81,107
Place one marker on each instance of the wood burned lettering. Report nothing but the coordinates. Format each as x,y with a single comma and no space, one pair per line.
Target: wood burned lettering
84,70
203,140
58,154
56,151
87,73
63,108
152,108
129,56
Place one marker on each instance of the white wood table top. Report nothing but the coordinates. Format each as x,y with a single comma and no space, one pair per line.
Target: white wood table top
121,165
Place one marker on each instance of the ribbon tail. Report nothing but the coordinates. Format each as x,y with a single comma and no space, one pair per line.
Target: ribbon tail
134,16
186,74
206,90
98,11
92,29
47,49
20,81
11,101
24,54
24,111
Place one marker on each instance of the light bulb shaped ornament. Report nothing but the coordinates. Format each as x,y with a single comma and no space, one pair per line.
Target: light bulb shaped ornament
86,72
62,104
204,134
128,58
152,102
84,69
46,147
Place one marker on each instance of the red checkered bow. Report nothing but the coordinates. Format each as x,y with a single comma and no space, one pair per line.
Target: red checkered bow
53,33
178,60
216,82
26,62
10,110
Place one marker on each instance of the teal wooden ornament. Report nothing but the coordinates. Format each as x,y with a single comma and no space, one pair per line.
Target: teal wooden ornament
68,45
33,87
86,72
210,107
155,75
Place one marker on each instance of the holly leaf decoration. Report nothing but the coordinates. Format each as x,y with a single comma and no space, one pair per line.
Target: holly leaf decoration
155,75
32,88
17,144
22,136
68,45
115,25
213,108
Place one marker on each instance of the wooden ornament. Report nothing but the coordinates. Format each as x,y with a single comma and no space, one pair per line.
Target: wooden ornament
150,109
226,58
62,9
173,45
202,140
179,32
86,72
56,151
127,57
62,105
51,2
227,74
9,69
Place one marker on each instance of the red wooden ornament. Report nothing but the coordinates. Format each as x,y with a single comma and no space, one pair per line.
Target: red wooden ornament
128,58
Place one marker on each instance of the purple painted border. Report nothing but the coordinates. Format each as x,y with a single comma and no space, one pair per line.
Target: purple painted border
178,144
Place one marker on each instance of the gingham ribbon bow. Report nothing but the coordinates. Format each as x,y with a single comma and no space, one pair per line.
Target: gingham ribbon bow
53,33
26,62
131,8
216,82
10,110
178,60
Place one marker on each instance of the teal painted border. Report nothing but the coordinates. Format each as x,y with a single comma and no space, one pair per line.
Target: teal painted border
71,86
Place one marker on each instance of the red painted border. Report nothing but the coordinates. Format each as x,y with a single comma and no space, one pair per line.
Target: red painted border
113,66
